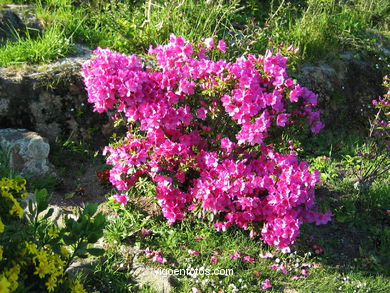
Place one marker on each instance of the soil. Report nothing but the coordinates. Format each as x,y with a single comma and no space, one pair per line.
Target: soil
80,190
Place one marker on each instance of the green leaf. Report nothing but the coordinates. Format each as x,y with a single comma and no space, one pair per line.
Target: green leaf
99,221
90,209
31,208
42,203
95,251
67,240
93,237
76,228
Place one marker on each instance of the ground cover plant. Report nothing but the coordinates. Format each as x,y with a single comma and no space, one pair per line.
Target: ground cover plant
35,253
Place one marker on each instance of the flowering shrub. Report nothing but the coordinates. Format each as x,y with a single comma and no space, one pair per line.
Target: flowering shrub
200,129
35,253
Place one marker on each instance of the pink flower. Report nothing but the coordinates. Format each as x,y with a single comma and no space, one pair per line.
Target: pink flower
266,284
193,252
248,259
282,119
209,43
195,290
122,198
221,46
148,252
202,113
295,278
239,174
266,255
145,232
236,254
199,238
213,259
274,266
159,258
317,126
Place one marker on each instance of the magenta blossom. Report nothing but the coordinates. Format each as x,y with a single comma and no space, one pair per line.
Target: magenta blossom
122,198
201,131
213,259
266,284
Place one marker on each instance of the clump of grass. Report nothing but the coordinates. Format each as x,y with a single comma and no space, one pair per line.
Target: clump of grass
320,28
5,170
132,27
48,46
324,28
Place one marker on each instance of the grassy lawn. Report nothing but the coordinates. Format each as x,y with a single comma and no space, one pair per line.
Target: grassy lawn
321,29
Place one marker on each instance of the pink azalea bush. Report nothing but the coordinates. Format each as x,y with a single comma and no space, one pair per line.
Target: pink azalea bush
201,129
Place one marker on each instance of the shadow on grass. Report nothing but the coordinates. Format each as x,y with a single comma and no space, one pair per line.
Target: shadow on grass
358,237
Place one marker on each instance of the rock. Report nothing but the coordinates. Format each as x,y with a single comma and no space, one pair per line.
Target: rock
29,151
57,216
346,87
153,277
51,100
17,21
10,26
144,274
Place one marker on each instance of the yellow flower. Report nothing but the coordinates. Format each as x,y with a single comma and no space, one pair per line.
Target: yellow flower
51,283
13,276
6,194
16,207
4,285
42,270
1,226
65,252
76,287
53,232
31,247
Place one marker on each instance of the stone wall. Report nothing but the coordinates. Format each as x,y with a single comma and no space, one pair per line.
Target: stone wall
346,88
51,100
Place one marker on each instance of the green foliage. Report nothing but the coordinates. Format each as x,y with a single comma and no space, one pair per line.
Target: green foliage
50,45
5,170
321,29
35,252
124,232
132,27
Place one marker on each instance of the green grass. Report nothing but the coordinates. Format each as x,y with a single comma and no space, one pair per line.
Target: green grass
327,272
5,170
355,243
52,44
321,29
